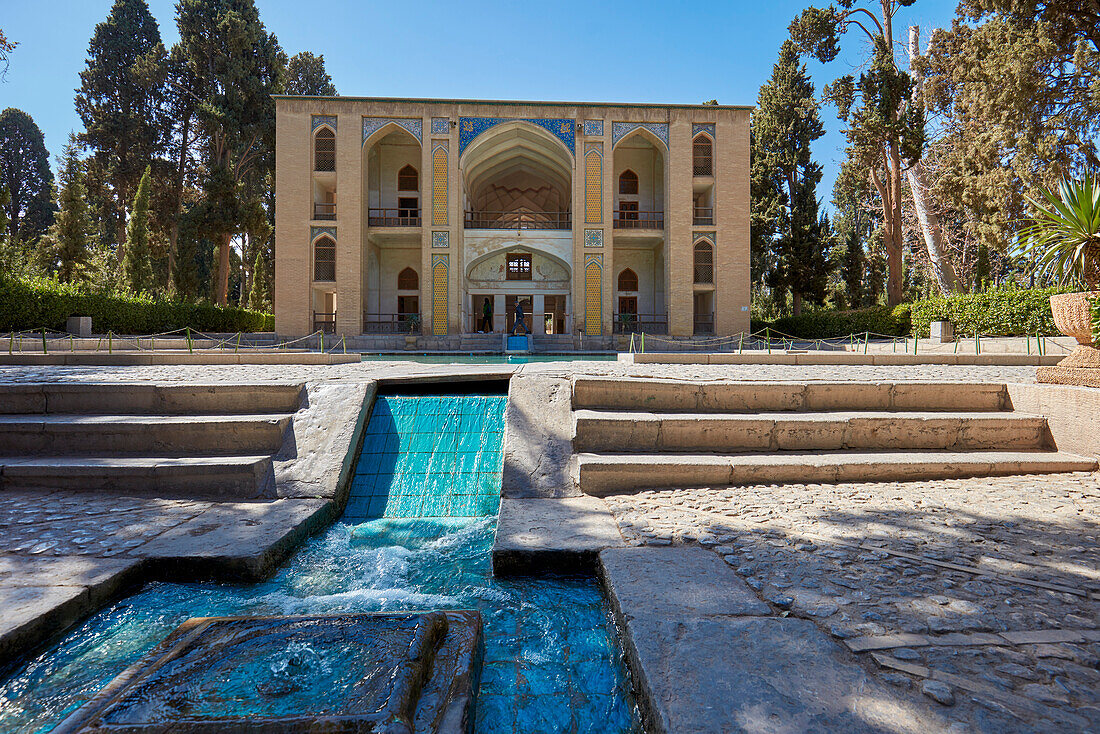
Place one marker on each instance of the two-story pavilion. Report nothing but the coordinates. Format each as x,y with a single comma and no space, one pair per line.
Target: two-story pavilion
424,215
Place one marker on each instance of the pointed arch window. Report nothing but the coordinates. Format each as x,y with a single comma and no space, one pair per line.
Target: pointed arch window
628,183
324,150
628,280
408,179
408,280
702,156
324,260
704,262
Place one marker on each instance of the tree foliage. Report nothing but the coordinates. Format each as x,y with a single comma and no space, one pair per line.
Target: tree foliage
72,232
885,133
120,101
1016,87
306,75
137,259
237,65
785,178
25,174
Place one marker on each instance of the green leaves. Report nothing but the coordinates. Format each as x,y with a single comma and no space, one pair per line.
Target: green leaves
995,312
1063,238
815,32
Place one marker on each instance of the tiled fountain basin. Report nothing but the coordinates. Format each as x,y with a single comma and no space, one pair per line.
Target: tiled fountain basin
335,673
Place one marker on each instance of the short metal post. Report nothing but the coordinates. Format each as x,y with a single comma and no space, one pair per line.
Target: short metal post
44,340
109,343
190,344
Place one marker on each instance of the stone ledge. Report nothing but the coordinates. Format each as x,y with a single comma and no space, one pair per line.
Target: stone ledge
705,658
561,535
41,597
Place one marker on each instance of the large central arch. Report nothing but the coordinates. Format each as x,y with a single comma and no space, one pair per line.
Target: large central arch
517,175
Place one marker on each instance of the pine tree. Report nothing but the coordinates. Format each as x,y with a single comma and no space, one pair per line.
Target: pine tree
73,229
137,260
306,76
784,126
120,100
237,65
885,132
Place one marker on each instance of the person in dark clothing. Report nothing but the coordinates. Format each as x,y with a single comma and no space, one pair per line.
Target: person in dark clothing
487,317
520,320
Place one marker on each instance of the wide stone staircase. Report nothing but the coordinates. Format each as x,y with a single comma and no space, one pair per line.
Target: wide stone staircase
210,441
650,434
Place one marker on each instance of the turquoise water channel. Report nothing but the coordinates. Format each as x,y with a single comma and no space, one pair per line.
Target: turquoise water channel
416,534
489,358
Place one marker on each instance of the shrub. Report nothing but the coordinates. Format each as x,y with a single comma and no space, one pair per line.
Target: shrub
996,312
831,324
41,303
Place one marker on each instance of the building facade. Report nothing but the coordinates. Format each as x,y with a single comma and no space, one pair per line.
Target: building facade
436,217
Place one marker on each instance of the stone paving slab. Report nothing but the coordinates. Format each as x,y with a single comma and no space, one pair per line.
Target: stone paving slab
40,596
982,595
538,430
563,534
709,656
243,540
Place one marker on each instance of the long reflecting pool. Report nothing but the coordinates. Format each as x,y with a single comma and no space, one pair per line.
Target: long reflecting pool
417,534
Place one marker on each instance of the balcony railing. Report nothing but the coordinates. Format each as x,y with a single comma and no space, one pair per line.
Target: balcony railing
519,220
704,324
391,323
639,220
393,217
632,323
703,216
325,322
324,211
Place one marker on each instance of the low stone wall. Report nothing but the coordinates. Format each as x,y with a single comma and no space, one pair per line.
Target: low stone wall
1072,413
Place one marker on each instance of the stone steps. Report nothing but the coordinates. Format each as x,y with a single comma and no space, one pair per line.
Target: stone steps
156,435
770,397
149,398
236,477
615,431
605,473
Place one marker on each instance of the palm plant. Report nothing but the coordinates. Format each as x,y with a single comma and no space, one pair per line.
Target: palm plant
1063,238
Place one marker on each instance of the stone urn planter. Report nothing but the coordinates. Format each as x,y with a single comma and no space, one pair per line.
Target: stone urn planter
1073,317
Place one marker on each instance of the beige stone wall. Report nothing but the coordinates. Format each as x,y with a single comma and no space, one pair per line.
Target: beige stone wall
674,246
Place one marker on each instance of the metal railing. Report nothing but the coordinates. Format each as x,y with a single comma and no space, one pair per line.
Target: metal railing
518,220
324,322
391,323
704,324
393,217
649,323
625,219
703,215
324,211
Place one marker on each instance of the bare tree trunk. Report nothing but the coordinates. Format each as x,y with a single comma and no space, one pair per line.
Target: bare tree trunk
796,303
221,292
942,270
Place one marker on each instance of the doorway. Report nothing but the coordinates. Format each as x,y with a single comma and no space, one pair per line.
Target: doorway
554,314
510,311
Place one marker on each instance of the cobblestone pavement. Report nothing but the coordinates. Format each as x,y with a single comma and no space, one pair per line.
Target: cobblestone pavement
65,523
982,594
375,370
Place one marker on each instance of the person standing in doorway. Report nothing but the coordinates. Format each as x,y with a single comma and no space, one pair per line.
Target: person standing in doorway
520,319
486,317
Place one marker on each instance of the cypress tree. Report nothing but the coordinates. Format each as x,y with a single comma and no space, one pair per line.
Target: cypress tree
260,297
306,75
72,230
120,100
25,173
785,124
137,260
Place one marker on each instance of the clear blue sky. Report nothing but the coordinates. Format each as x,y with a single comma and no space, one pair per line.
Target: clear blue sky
654,51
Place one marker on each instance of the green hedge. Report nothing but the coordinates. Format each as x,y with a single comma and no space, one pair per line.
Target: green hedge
832,324
997,312
40,303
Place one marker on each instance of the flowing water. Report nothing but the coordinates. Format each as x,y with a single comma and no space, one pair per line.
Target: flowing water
416,535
